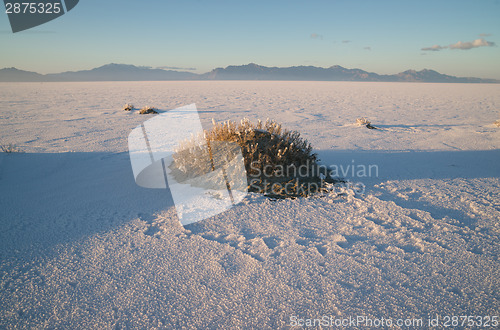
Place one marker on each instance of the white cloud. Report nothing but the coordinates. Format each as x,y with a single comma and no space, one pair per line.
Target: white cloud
472,44
434,48
174,68
461,45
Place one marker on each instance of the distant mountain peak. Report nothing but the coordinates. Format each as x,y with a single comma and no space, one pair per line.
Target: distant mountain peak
13,74
116,66
250,71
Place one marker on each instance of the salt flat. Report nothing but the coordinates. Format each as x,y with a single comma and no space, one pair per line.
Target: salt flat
83,246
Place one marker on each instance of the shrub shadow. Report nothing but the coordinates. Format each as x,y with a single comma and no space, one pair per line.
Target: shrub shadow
54,198
409,165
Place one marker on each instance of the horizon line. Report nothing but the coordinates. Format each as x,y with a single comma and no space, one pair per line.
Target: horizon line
188,71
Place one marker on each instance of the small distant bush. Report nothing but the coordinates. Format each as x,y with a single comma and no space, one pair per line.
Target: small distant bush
128,107
362,121
148,110
365,122
497,123
279,163
10,148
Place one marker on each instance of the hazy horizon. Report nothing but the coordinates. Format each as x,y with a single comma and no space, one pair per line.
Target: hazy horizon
190,70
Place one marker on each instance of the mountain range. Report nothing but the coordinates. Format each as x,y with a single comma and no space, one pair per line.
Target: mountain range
125,72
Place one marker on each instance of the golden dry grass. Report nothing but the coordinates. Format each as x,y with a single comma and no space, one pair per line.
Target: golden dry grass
271,156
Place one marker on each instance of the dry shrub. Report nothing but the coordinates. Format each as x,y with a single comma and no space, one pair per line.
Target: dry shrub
128,107
274,157
497,123
365,122
148,110
362,121
10,148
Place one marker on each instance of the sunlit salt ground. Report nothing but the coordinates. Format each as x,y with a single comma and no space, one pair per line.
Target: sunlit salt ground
82,246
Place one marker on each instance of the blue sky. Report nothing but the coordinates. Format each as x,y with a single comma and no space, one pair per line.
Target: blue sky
380,36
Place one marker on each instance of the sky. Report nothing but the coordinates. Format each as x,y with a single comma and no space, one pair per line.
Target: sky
460,38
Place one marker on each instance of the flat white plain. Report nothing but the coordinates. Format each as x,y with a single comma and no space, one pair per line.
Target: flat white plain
82,246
